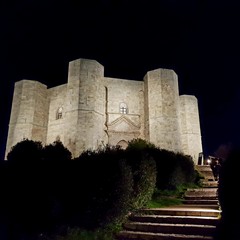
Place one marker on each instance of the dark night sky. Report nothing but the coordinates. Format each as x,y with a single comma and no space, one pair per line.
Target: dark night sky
198,39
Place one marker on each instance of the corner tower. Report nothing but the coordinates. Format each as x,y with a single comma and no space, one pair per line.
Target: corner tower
84,114
162,109
190,126
29,113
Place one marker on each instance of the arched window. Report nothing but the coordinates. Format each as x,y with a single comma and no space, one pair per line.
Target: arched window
123,109
59,113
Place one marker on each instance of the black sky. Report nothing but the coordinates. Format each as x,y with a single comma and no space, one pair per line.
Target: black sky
198,39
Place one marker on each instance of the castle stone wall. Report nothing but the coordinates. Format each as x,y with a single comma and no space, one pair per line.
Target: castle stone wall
29,113
124,93
84,105
98,110
40,115
162,107
190,126
56,126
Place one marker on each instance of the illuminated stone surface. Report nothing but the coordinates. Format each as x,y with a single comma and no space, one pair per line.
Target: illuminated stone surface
92,110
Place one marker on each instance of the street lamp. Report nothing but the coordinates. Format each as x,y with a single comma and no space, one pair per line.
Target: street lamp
209,161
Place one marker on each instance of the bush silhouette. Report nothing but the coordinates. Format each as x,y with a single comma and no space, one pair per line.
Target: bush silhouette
143,165
25,152
56,153
34,187
45,188
105,187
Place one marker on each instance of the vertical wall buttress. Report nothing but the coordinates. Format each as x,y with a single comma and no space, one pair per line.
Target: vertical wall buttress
29,113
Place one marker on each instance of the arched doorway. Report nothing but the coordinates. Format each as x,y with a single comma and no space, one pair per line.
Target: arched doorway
123,144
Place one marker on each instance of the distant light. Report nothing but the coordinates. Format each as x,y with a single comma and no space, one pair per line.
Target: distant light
209,161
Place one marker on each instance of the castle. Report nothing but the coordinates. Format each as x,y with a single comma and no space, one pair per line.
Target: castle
92,110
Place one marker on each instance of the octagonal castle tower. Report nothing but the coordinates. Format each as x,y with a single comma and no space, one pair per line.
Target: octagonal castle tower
92,110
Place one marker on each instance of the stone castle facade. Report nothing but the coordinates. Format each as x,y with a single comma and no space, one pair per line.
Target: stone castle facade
92,110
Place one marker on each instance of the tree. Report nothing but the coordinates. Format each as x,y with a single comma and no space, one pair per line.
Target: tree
25,152
56,152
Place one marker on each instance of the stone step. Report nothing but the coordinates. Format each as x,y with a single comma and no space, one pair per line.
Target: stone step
183,211
206,172
186,229
210,202
199,206
209,184
134,235
206,193
202,168
174,219
195,219
178,222
201,197
201,191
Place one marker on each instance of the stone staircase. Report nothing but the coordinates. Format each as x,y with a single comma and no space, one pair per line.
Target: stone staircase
195,219
208,177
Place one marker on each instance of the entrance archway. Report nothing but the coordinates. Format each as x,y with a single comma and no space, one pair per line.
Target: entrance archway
123,144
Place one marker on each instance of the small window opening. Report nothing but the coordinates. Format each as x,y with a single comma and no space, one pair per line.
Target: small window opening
59,113
123,108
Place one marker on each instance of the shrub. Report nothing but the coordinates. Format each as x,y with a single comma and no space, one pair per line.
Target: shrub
35,188
173,169
94,191
56,153
187,173
108,187
25,152
138,154
81,234
140,144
